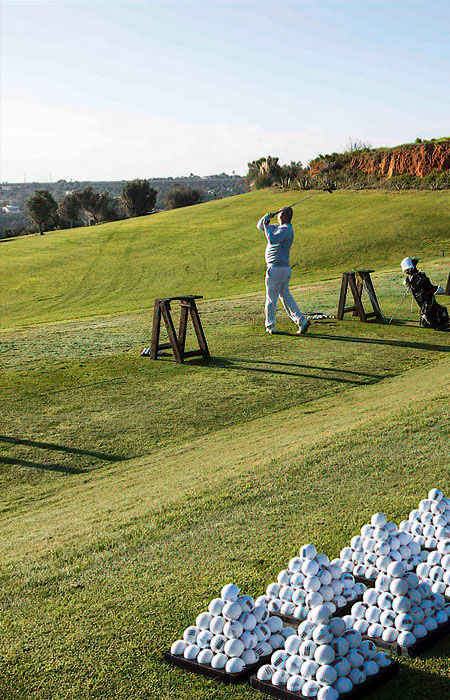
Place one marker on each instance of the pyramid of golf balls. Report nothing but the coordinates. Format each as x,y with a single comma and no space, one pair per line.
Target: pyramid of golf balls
435,570
430,522
379,544
399,609
323,658
233,633
311,580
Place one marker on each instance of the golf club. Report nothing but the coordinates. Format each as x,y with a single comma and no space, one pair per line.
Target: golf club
274,213
399,305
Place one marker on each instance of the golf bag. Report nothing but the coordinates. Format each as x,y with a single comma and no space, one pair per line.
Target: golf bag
432,314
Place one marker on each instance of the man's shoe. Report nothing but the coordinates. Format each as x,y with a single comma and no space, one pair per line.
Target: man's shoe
271,331
303,327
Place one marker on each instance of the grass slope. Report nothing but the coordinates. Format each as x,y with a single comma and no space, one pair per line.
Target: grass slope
231,465
77,397
212,249
161,478
90,615
132,490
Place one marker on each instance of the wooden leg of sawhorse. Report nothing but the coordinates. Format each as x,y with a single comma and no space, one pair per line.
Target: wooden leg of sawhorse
156,330
199,329
184,313
349,280
372,296
165,309
343,297
360,288
357,297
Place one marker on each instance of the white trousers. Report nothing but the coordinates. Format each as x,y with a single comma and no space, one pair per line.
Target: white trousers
277,287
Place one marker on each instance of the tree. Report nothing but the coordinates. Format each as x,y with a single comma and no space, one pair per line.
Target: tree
100,206
292,175
108,207
264,172
183,196
89,200
42,208
69,210
138,197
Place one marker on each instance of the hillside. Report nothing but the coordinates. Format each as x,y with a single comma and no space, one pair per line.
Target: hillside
132,490
416,159
17,193
212,249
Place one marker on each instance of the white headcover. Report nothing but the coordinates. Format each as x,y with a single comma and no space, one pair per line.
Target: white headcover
407,264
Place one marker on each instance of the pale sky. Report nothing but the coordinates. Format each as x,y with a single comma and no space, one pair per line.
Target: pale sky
113,90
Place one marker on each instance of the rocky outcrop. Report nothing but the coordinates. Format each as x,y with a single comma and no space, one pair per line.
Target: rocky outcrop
415,159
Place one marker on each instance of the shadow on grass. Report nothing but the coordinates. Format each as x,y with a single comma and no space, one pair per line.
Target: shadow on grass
379,341
401,322
303,366
39,465
440,649
239,364
414,684
60,448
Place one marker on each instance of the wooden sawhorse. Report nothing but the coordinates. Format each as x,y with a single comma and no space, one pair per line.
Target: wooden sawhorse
357,281
176,342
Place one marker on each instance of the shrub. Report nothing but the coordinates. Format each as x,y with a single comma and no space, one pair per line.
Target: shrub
100,206
69,211
264,172
138,197
436,180
402,182
183,196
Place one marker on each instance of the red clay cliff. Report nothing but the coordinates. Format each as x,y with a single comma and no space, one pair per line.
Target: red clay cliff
416,159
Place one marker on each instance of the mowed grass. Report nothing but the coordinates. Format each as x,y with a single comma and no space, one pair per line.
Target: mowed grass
133,490
77,397
212,249
91,616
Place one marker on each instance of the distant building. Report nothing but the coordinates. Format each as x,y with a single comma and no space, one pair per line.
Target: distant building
11,209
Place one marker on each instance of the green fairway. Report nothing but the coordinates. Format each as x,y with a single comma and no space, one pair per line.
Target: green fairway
83,398
133,490
213,249
99,590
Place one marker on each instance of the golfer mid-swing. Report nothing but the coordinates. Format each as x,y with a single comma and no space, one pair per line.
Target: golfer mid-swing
279,242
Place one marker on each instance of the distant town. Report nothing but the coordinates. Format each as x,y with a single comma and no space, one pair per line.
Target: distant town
14,219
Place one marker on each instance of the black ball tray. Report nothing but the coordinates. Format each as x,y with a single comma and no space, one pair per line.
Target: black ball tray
357,692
